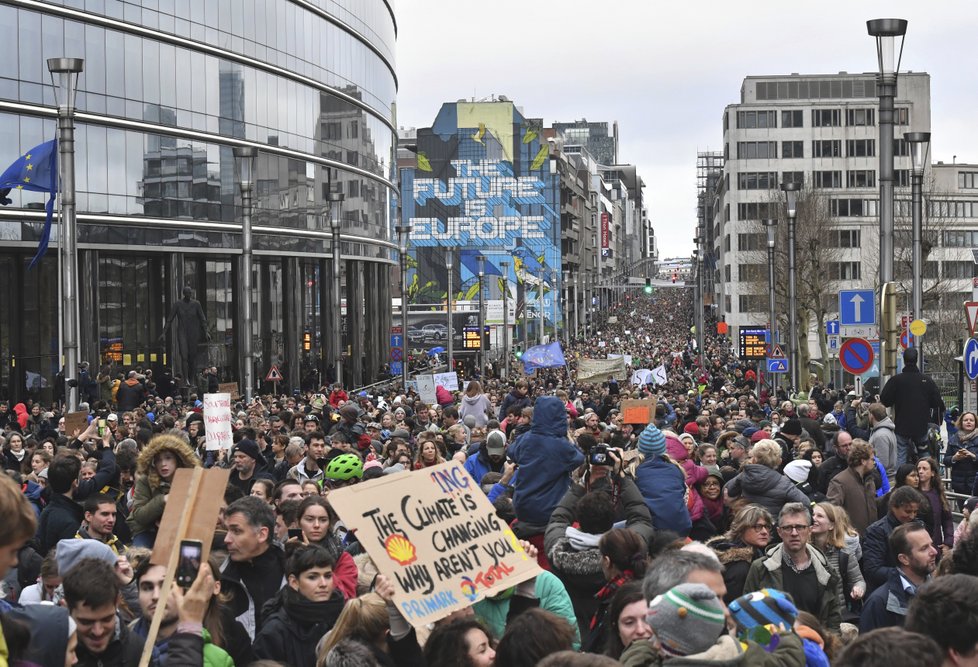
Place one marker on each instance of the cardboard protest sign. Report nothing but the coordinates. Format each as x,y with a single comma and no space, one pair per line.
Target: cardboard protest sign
598,370
217,421
75,421
637,412
437,537
229,388
426,389
201,507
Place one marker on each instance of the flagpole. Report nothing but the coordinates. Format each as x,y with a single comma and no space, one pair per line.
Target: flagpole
65,86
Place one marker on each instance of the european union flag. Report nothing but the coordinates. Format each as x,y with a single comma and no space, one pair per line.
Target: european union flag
543,356
37,170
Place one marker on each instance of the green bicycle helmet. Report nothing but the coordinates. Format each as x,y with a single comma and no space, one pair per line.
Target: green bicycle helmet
344,468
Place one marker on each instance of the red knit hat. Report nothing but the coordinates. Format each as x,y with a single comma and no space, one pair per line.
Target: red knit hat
760,435
692,429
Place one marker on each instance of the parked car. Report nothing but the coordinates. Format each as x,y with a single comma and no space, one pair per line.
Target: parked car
436,332
415,336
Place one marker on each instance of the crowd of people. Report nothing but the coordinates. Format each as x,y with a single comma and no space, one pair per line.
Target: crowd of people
731,526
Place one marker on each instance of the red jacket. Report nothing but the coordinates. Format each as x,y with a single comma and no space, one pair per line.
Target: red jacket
336,396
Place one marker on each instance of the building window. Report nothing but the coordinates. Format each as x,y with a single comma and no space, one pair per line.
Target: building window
726,303
751,150
757,119
751,241
758,210
861,147
845,238
726,244
793,177
853,208
901,116
961,239
827,179
901,148
826,117
901,178
827,148
957,269
792,149
726,273
845,271
752,303
952,209
752,272
757,180
861,178
793,118
967,180
860,117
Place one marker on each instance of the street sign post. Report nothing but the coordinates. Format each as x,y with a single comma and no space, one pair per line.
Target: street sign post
777,365
970,358
833,343
832,327
856,356
857,307
971,313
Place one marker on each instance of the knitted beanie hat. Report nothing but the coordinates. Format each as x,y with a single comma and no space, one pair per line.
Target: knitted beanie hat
651,442
686,619
797,471
763,609
791,427
692,428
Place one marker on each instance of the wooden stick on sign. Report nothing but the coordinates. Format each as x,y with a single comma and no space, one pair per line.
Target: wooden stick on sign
171,569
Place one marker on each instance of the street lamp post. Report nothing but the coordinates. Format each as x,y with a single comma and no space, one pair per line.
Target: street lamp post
886,32
567,306
450,265
554,291
771,225
403,232
791,197
335,204
540,305
919,143
504,267
481,259
245,157
65,87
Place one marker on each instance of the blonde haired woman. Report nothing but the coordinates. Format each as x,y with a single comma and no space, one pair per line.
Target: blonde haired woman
830,535
374,621
761,483
475,403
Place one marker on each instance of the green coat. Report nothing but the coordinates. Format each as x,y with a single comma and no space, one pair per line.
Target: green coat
727,652
553,598
765,572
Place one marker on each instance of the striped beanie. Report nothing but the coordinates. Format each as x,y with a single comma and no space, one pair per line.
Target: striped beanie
767,608
686,619
651,442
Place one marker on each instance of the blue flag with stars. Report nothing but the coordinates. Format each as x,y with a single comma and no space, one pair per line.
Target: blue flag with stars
37,170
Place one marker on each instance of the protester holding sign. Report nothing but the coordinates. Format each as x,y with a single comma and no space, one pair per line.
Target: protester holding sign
156,465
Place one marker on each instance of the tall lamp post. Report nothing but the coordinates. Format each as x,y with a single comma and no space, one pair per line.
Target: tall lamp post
771,225
335,200
919,143
543,274
886,32
567,312
245,157
791,198
64,76
554,302
481,259
504,267
450,265
403,232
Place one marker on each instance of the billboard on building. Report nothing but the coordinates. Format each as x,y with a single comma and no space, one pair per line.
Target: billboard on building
482,185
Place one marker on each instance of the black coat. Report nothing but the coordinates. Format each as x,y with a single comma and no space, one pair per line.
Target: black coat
915,400
59,521
289,634
127,649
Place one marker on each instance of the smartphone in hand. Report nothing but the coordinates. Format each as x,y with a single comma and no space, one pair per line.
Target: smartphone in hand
191,555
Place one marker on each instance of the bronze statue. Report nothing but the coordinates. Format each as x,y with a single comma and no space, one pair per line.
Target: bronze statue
191,324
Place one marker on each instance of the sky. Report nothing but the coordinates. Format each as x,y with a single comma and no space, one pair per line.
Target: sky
665,71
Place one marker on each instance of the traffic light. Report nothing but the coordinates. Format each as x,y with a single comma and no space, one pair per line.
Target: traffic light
648,286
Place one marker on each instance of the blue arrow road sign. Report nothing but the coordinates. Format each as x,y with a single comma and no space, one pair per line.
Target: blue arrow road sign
396,340
857,307
777,365
832,327
971,358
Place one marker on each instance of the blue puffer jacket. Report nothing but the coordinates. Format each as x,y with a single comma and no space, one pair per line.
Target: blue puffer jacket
663,485
545,457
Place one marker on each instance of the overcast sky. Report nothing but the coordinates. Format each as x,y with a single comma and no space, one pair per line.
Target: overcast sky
665,71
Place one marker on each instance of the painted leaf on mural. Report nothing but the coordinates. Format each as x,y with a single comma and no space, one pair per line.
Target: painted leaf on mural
423,163
540,158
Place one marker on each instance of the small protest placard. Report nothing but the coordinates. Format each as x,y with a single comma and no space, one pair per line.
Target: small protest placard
203,507
217,421
426,389
229,388
447,380
437,537
637,412
75,421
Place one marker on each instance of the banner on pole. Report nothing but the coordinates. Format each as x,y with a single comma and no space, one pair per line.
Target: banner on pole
598,370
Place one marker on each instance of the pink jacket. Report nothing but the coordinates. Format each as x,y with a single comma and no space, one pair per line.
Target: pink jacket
694,475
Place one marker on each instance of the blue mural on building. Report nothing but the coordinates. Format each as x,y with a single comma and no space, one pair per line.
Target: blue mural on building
483,185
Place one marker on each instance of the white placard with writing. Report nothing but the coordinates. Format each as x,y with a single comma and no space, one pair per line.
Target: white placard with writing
217,421
448,380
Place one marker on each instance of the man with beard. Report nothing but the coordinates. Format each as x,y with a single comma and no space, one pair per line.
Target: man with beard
916,560
100,518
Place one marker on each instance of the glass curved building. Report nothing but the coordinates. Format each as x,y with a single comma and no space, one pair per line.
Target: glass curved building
169,88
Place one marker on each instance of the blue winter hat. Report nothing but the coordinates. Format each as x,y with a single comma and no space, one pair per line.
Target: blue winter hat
651,442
